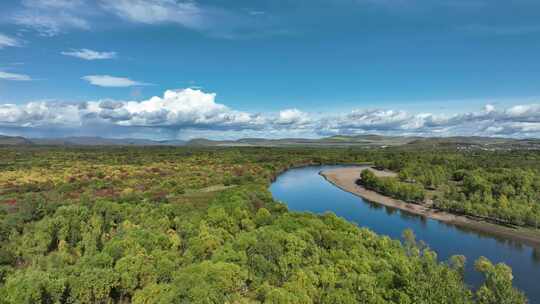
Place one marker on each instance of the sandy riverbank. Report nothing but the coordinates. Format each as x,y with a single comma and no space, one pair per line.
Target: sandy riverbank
345,178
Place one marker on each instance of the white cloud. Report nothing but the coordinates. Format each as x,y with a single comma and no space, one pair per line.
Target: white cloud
489,108
528,112
50,25
192,113
292,117
519,121
55,4
186,13
112,81
52,17
88,54
7,41
175,110
218,22
37,114
14,76
183,108
256,13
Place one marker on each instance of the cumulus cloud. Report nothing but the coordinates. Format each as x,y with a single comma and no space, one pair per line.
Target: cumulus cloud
14,76
518,121
7,41
88,54
176,109
112,81
292,117
186,108
375,120
37,114
190,113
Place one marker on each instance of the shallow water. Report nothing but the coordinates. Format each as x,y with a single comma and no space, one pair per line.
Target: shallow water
303,189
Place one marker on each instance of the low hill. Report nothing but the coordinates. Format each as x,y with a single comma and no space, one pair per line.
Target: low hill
363,141
333,141
100,141
475,142
13,140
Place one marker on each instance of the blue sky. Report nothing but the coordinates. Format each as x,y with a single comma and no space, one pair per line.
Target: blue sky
271,68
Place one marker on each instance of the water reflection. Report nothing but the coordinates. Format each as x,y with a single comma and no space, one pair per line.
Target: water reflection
390,210
536,255
304,190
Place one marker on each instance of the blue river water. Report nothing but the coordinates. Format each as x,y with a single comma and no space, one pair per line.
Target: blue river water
303,189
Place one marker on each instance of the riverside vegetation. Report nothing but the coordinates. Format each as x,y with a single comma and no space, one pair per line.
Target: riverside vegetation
186,225
502,187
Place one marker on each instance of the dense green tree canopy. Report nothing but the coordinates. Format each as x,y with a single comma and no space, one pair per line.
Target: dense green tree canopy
499,186
169,225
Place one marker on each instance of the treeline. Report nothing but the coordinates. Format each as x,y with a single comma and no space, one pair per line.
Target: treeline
408,192
507,195
500,186
164,225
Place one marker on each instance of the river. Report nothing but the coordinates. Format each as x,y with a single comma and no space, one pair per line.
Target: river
303,189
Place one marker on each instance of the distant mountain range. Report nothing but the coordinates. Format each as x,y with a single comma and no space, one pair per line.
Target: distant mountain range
460,142
339,141
373,141
86,141
13,140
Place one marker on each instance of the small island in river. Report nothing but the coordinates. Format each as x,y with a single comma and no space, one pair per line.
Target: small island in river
346,179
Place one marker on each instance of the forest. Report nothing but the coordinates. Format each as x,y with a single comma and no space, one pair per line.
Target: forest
408,192
199,225
500,186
